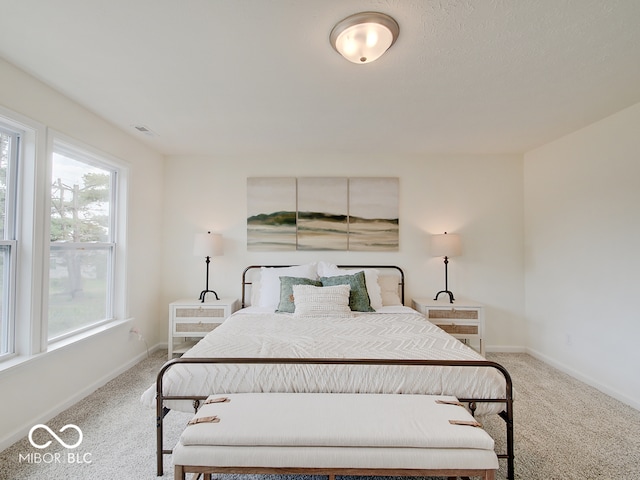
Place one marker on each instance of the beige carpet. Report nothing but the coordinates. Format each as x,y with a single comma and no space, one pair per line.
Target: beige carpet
563,428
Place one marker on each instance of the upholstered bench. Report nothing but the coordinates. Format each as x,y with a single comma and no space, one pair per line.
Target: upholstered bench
335,434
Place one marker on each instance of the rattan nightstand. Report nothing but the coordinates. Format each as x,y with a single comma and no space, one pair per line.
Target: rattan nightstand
464,319
190,320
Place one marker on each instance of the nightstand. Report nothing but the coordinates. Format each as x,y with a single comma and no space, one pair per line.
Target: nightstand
463,319
190,320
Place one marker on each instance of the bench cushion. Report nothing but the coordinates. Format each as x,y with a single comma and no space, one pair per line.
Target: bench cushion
334,457
336,420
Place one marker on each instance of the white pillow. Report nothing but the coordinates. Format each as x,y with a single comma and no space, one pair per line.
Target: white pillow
326,269
332,301
255,293
270,281
389,289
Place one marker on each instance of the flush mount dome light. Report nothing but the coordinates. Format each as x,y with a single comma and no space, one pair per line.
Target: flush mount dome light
364,37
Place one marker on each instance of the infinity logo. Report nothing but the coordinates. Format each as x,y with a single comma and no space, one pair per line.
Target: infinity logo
60,441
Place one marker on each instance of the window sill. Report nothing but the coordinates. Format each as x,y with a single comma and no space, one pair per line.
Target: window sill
12,363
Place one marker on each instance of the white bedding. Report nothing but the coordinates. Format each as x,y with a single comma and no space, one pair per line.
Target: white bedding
391,333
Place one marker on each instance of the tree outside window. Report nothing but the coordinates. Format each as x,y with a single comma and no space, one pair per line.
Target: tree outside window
82,246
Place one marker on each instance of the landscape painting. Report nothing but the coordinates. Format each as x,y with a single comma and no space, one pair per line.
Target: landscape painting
373,214
271,214
322,213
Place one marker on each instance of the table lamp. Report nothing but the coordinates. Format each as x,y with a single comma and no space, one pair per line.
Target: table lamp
445,245
207,245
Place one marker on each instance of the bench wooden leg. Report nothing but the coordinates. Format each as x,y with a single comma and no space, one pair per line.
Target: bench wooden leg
178,472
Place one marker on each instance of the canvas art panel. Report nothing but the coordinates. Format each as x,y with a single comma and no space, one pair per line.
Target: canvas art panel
271,214
373,214
322,213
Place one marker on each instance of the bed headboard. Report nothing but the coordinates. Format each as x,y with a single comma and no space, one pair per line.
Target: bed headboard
247,279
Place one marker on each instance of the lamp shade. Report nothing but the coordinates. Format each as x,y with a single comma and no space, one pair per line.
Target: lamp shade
207,245
446,245
364,37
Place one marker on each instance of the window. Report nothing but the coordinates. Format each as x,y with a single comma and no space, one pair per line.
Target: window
9,153
62,240
82,253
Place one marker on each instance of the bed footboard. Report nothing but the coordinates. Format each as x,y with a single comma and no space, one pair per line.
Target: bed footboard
507,400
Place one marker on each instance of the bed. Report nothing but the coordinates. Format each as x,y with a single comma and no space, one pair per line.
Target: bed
315,346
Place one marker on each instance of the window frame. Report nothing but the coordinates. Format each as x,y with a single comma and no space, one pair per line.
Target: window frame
8,322
29,242
117,310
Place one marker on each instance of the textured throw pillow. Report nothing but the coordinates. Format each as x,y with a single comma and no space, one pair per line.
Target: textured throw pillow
358,298
287,304
322,301
326,269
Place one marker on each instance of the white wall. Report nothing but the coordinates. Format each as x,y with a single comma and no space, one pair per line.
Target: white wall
36,390
582,260
479,197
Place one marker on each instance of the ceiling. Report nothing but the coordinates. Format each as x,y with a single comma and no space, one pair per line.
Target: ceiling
251,77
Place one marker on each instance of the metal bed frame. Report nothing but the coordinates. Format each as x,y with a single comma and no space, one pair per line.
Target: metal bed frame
506,414
246,282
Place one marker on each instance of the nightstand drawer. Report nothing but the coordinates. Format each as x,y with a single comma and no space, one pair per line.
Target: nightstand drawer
195,327
457,329
198,319
452,314
200,312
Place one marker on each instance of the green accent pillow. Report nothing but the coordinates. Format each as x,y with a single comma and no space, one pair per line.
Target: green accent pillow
359,297
287,304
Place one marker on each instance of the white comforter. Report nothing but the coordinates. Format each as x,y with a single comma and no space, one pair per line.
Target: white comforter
403,335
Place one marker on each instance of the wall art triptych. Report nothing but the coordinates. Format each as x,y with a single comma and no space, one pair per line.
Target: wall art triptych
322,213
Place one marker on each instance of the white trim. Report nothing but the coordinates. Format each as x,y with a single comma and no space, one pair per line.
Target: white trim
30,242
633,402
506,348
89,153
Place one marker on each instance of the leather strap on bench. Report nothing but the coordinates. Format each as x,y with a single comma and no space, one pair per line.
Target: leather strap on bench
212,419
470,423
217,400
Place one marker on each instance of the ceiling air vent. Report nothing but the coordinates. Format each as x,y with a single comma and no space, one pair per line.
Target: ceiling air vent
144,129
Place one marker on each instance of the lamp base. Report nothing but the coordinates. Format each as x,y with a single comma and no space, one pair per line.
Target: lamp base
448,292
204,293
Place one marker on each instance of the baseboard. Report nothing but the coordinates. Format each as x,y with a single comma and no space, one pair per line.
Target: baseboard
632,402
22,432
505,349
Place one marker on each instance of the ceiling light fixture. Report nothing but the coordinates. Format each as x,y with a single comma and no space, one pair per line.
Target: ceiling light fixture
364,37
